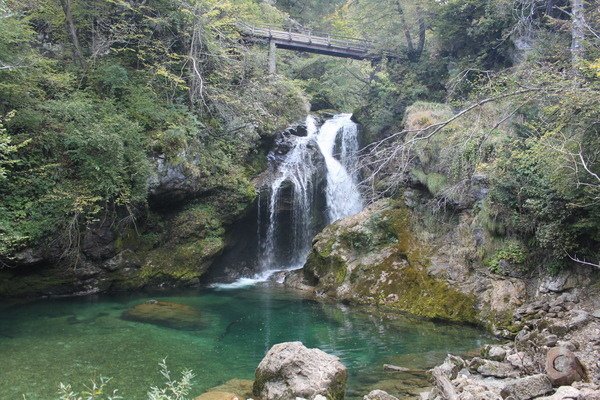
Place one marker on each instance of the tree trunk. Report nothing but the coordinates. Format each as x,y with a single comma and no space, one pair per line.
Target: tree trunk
422,31
72,30
577,31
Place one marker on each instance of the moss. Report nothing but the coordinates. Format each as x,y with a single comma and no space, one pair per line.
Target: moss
45,282
397,225
196,222
357,240
330,270
433,181
401,281
411,289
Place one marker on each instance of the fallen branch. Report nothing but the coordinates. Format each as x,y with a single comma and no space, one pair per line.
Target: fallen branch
583,262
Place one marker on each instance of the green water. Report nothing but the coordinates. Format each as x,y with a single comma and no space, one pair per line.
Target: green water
76,339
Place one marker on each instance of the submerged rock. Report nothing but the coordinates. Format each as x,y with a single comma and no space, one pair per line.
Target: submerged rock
218,396
240,387
379,395
291,370
163,313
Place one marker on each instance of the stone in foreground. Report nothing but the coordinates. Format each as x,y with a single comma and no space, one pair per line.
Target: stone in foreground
291,370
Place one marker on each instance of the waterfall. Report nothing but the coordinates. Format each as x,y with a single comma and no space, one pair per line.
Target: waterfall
320,165
343,196
296,170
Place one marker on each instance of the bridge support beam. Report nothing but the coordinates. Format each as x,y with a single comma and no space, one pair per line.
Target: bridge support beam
272,57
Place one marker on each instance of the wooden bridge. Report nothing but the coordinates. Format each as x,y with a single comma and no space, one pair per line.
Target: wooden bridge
307,41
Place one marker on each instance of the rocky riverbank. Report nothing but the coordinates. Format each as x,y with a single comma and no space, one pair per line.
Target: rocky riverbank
554,356
383,257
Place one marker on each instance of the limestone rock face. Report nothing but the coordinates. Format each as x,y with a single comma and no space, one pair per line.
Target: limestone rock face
291,370
563,367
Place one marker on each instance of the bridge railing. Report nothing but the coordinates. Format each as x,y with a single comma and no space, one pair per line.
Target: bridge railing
306,36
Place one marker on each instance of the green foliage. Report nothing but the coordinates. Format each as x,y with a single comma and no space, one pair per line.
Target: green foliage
474,32
513,253
173,389
76,139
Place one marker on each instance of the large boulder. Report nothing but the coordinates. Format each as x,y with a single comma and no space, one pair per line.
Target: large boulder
375,257
291,370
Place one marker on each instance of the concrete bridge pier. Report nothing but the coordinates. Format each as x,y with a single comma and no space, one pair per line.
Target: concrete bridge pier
272,57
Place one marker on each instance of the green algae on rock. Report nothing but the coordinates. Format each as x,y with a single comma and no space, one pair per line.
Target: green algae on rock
164,313
375,258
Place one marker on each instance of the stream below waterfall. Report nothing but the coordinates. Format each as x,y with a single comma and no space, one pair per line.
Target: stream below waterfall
74,340
313,181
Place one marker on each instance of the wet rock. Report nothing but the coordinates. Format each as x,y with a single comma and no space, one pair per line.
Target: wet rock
163,313
563,367
564,393
98,242
291,370
87,270
394,368
379,395
125,259
296,130
528,387
28,257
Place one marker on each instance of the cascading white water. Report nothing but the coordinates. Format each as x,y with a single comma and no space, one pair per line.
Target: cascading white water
297,170
298,173
343,196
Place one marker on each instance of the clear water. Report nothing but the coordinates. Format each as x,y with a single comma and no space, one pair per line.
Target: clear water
76,339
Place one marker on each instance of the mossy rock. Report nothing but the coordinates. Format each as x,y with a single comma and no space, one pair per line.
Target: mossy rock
163,313
375,258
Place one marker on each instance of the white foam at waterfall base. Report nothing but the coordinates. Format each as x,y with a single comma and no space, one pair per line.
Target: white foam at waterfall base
261,277
342,195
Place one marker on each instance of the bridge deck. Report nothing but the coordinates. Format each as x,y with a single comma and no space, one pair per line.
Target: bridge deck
328,45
